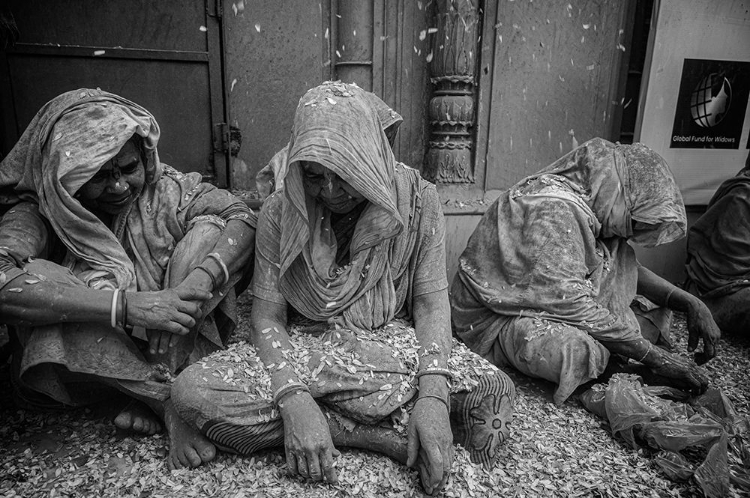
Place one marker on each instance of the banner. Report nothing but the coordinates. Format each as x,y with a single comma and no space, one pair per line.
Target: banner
711,104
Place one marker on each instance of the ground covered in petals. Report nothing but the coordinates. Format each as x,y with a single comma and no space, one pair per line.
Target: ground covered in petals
554,451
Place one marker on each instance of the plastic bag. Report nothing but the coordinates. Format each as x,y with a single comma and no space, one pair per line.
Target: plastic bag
667,420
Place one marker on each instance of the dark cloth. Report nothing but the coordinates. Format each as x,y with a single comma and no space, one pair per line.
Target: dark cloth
718,244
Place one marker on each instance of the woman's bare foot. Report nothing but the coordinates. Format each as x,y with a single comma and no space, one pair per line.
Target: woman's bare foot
187,446
379,439
139,418
480,418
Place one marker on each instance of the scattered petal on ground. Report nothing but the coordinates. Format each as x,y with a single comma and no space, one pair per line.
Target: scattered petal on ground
553,451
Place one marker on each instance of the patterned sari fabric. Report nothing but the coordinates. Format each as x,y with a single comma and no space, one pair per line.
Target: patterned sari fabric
718,247
170,227
548,272
360,364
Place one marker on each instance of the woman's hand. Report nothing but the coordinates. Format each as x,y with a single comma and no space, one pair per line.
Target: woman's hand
307,438
167,312
685,374
430,443
701,325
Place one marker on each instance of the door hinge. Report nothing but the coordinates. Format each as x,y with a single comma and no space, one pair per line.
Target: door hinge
221,138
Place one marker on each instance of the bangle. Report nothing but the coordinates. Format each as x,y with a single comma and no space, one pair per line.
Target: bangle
113,309
287,388
124,307
211,275
445,402
435,371
215,256
669,294
647,352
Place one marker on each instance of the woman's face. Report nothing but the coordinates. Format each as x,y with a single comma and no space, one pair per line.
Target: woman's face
116,184
328,188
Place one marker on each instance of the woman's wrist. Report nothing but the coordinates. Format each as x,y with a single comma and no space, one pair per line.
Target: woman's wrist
433,384
201,278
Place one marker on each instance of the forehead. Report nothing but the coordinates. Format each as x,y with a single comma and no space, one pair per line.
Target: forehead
128,150
311,167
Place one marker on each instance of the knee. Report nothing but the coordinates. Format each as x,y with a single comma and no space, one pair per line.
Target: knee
186,389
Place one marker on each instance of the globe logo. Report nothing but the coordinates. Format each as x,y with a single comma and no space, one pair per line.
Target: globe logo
710,100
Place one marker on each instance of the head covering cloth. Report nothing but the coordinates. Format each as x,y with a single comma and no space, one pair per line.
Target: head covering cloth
65,145
337,126
622,184
554,246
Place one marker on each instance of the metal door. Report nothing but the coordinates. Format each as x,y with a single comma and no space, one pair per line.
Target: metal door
166,56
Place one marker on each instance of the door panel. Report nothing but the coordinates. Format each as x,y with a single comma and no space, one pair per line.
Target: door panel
146,52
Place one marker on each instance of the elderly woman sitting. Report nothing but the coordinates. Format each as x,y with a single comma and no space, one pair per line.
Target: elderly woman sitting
718,246
104,249
353,240
548,276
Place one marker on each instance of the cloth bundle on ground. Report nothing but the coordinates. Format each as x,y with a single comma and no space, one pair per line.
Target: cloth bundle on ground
718,246
170,227
667,421
549,273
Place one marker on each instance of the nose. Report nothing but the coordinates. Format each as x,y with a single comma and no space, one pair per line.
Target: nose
332,187
116,184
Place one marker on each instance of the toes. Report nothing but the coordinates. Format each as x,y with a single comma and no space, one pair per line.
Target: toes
207,453
138,424
124,421
183,460
193,457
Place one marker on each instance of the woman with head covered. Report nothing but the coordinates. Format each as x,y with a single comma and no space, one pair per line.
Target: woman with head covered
352,241
105,252
548,276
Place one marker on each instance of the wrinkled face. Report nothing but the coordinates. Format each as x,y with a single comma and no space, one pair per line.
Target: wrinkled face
328,188
116,184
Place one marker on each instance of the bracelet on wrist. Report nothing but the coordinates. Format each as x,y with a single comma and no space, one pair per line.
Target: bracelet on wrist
444,372
669,294
208,272
113,308
442,399
646,354
216,257
123,311
288,388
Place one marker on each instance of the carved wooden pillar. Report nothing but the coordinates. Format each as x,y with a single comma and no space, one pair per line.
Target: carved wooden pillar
452,108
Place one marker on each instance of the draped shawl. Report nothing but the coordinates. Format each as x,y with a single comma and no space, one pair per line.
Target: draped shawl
555,244
65,145
271,177
336,126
